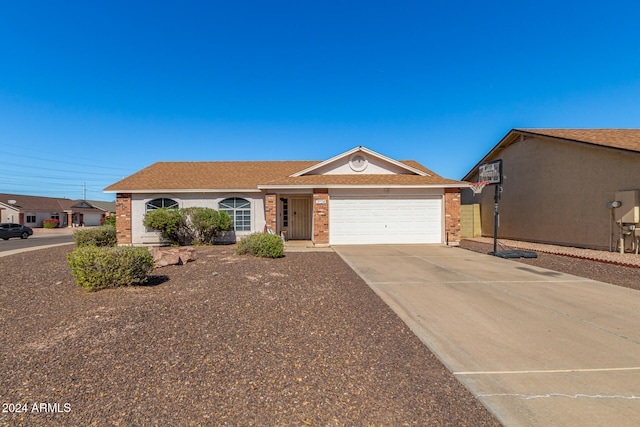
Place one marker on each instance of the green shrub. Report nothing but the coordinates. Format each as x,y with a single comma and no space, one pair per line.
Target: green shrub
206,224
262,245
108,220
96,236
169,222
95,268
189,225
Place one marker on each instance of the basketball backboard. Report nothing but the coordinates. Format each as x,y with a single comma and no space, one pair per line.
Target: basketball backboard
491,172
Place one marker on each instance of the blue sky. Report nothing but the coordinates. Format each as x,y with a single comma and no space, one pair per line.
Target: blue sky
91,92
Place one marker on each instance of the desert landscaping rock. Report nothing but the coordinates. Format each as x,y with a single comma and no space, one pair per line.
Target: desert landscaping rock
164,257
300,340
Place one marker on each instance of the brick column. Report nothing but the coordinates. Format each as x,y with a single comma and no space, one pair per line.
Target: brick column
123,218
271,211
452,214
321,216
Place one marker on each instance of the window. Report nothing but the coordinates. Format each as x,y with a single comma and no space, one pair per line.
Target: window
240,212
162,203
31,218
285,212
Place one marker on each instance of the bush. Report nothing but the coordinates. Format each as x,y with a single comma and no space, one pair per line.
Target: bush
262,245
51,223
168,222
96,236
188,226
108,220
95,268
206,224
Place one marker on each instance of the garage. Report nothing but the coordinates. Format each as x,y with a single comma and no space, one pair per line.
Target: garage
380,220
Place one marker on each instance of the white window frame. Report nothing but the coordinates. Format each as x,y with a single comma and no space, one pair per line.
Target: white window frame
240,211
172,205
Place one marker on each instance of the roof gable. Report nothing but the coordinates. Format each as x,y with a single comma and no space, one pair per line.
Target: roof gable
360,160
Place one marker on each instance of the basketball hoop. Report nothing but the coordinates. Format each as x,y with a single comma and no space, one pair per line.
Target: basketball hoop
477,187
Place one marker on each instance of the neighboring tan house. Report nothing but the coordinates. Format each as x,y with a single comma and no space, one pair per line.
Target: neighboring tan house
356,197
559,185
33,210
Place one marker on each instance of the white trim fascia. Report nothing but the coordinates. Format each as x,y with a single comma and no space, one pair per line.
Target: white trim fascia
10,207
365,150
309,186
188,190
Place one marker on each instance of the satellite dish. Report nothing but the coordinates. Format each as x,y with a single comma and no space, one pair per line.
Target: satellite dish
12,202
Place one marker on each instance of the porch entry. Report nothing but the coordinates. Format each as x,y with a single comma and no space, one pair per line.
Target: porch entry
297,218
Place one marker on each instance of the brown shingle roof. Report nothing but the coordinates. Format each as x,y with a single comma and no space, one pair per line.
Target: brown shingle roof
248,175
357,180
208,175
625,139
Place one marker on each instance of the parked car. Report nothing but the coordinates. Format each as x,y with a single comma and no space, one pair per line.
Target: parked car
9,230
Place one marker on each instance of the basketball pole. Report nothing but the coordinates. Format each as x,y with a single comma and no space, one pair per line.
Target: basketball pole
496,218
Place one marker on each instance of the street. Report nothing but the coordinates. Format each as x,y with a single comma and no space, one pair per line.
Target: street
15,245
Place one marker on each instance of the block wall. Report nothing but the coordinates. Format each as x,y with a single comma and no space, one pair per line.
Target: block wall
123,218
452,215
270,212
321,217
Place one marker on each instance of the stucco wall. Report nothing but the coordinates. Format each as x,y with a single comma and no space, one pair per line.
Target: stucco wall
185,200
556,192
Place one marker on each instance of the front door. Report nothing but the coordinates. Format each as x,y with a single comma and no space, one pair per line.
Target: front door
300,218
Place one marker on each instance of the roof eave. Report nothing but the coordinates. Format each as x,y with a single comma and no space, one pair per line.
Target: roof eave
372,186
187,190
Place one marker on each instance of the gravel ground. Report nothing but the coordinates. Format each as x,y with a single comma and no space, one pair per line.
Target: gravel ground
617,269
224,340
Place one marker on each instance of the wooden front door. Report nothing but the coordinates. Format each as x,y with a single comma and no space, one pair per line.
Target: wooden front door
299,218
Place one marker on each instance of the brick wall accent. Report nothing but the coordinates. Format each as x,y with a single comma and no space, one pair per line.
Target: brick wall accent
123,218
270,211
321,216
452,214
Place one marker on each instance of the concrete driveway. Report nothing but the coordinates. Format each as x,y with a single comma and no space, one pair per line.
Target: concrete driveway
537,347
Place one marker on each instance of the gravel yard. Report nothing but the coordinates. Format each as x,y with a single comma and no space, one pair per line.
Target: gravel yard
224,340
617,269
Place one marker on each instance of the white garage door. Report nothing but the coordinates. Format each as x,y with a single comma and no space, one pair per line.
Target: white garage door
385,220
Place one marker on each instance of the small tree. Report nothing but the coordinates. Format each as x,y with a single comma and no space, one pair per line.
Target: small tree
167,221
206,224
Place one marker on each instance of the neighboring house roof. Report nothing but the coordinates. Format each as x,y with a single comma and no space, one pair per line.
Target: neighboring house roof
36,203
103,206
257,175
618,139
624,139
45,204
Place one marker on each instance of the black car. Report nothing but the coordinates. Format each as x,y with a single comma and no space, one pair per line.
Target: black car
9,230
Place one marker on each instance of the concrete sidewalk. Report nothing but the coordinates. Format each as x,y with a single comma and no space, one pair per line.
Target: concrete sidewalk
537,347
